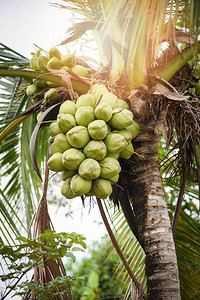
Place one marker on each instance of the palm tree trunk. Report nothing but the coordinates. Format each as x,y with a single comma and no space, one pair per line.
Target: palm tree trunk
152,219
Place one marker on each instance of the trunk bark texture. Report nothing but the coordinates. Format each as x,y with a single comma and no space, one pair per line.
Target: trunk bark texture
152,219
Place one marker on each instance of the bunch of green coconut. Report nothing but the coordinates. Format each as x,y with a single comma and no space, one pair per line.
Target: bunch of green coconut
54,60
87,139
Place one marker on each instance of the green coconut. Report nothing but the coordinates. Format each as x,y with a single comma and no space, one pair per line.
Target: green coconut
127,152
109,167
103,111
101,188
98,90
53,149
32,90
134,128
85,100
42,61
33,62
55,162
95,149
115,142
54,63
40,83
126,134
68,107
54,52
121,118
98,129
78,136
51,95
114,179
61,142
122,104
81,71
80,186
67,174
66,189
89,169
111,99
84,115
72,158
113,155
65,122
67,60
54,129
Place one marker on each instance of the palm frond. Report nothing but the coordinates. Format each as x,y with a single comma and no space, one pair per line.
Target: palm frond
187,243
20,190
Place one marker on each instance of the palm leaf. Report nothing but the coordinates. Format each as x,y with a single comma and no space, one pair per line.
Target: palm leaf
187,243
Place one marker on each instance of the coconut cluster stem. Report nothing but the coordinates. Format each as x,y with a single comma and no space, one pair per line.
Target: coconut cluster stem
77,85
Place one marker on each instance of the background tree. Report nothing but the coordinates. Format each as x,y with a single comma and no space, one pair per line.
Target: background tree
129,35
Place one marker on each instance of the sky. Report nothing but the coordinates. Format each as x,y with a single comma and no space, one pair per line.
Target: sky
27,22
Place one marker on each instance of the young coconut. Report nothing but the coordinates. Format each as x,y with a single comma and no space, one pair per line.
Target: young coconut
54,63
84,115
95,149
80,186
126,134
55,162
39,83
134,128
101,188
85,100
98,129
121,118
78,136
122,104
51,95
127,152
66,189
115,142
53,149
67,174
61,142
54,129
54,52
32,90
109,167
113,155
68,107
33,62
98,90
65,122
42,61
67,60
114,179
89,169
103,111
111,99
72,158
81,71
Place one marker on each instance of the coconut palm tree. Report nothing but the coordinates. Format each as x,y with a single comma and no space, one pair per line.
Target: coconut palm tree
141,62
